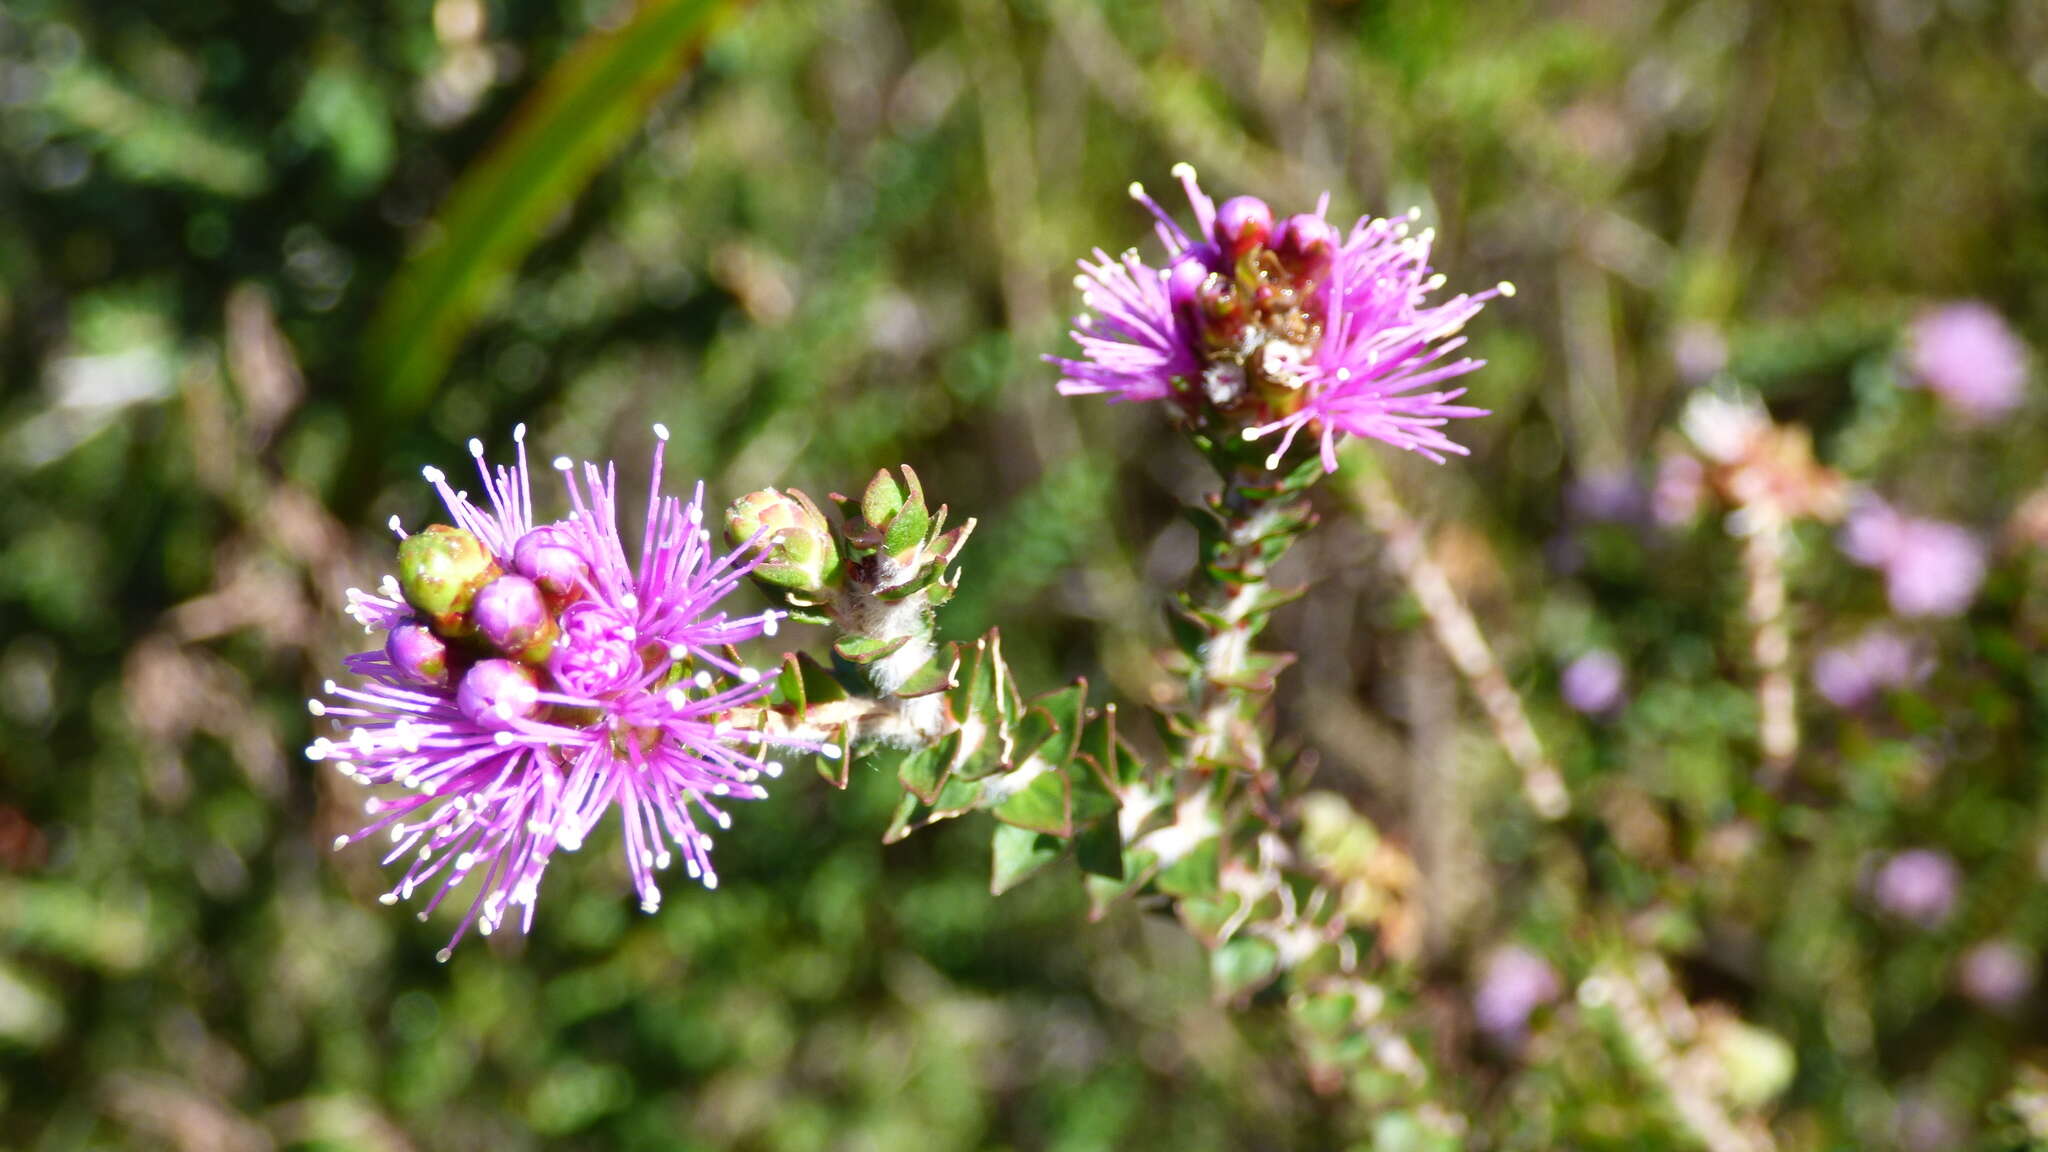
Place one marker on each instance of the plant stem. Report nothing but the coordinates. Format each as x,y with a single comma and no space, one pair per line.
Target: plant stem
1245,529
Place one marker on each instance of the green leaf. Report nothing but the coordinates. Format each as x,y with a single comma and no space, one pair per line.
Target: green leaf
1195,874
882,497
1099,849
1042,805
582,113
1243,965
1017,854
923,772
804,682
937,676
867,649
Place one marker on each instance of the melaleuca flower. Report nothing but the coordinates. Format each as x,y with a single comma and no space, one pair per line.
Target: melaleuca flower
1514,984
1931,567
1919,885
1851,675
1279,327
534,677
1997,974
1965,354
1594,684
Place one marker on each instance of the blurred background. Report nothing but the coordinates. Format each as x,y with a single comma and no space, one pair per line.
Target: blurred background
262,259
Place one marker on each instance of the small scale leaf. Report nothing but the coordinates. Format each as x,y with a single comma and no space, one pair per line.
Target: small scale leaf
1244,965
867,649
1099,850
923,772
939,675
1043,805
1017,854
1195,874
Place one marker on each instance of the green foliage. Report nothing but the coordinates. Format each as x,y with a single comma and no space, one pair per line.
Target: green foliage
843,241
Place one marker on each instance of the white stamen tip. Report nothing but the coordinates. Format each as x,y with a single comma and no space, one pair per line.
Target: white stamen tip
661,433
340,842
829,751
329,687
1184,171
1505,288
434,475
394,523
476,447
1137,190
773,768
444,955
563,464
1251,433
316,707
388,899
711,879
519,433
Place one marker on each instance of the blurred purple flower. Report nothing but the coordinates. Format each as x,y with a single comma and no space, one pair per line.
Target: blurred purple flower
1931,567
505,760
1919,885
1607,497
1699,352
1291,325
1851,675
1593,684
1997,974
1680,489
1514,984
1966,354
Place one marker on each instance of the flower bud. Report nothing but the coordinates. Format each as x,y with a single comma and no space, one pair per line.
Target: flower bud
513,615
1221,310
418,654
440,569
1184,282
1306,245
1242,224
497,693
546,557
802,555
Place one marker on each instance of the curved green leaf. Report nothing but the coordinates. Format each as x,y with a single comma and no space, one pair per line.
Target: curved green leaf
585,109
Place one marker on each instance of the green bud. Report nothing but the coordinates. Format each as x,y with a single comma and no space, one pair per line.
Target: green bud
881,500
440,569
802,554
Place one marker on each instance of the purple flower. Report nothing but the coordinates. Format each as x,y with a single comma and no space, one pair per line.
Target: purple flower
1593,684
1997,974
515,724
1515,983
1965,354
1931,567
1851,675
1919,885
1286,327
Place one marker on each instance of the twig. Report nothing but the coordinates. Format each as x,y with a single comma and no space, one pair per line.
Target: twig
1459,634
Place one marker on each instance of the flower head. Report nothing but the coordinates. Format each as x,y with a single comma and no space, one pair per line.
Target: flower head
1279,326
1931,567
1851,675
534,677
1595,683
1966,355
1514,984
1919,885
1997,974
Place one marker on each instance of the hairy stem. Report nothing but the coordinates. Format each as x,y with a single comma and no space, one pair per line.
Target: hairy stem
1763,572
1245,529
